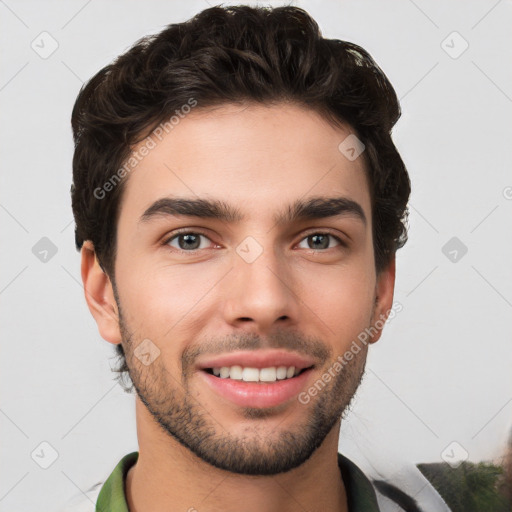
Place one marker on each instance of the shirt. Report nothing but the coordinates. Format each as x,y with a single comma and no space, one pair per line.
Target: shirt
360,492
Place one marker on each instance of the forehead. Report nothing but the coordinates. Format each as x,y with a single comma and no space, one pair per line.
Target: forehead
257,158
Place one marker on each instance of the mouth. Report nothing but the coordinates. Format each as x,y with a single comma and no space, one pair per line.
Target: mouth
256,387
256,375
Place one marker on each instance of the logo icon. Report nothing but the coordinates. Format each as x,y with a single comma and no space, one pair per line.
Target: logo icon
44,45
454,454
146,352
454,249
44,455
249,249
44,250
351,147
454,45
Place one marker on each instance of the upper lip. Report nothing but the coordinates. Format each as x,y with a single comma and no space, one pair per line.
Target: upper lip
258,359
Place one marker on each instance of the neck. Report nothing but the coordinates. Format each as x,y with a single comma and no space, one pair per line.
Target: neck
168,475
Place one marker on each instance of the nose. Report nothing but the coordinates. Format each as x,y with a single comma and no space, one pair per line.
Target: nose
260,295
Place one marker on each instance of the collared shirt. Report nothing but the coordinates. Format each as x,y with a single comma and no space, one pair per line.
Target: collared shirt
360,492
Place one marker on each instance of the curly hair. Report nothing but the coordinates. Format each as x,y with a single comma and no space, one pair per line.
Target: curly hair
234,54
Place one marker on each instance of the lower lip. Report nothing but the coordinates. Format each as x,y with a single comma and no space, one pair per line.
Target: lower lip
253,394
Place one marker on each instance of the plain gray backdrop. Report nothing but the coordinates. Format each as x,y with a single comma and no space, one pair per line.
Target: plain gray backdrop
440,373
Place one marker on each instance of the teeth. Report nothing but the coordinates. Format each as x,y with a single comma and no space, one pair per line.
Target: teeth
281,372
268,374
235,372
249,374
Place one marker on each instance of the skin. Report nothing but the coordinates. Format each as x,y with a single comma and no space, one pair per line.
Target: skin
197,449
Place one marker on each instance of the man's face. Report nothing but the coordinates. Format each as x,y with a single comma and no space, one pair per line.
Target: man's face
304,286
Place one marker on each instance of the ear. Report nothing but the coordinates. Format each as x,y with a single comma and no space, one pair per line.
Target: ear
99,295
384,291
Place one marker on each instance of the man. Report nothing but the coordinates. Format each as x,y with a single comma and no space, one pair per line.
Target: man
238,203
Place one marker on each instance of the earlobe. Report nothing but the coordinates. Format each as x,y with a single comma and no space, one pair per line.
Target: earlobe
99,295
384,290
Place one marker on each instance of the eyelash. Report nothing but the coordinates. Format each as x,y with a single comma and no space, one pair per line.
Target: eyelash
177,233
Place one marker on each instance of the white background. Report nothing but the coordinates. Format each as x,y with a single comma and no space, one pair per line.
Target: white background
441,371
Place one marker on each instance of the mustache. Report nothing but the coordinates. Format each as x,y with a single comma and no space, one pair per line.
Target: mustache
282,339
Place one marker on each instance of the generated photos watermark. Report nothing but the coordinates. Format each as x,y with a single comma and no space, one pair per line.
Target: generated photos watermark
342,360
149,144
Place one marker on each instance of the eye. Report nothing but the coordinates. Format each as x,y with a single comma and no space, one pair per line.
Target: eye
186,241
189,241
320,241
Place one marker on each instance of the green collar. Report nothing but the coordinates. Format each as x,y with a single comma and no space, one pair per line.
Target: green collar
360,493
111,497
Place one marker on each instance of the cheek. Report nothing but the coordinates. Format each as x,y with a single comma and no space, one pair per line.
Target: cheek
342,300
160,299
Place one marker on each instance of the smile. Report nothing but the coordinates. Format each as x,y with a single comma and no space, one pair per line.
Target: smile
248,374
256,387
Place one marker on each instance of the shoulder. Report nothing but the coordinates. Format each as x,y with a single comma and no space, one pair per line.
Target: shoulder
88,501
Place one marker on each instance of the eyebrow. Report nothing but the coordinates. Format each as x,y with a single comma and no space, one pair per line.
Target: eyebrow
310,209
